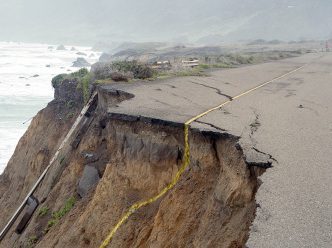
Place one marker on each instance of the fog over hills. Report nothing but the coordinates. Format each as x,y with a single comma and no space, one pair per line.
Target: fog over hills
203,21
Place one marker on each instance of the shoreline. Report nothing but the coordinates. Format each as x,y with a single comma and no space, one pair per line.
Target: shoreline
26,70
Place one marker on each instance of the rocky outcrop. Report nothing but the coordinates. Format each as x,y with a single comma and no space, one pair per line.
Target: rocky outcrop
68,92
89,179
81,54
105,57
81,62
61,48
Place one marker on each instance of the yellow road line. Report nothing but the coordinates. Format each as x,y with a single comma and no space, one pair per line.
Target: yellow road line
186,160
138,205
242,94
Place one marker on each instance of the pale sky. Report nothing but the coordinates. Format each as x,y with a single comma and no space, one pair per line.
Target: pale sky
90,21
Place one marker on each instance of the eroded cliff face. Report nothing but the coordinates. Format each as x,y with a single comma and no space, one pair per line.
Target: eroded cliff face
212,205
33,153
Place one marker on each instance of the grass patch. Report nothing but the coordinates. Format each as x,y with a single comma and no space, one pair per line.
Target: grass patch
58,215
192,72
204,66
198,71
50,224
163,76
104,81
215,66
32,241
43,211
222,65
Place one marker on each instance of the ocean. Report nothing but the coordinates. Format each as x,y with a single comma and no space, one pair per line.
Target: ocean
26,71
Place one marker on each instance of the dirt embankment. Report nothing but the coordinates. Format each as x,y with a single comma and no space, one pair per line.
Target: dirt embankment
212,205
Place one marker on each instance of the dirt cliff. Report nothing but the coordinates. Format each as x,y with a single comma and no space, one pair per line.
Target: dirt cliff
212,205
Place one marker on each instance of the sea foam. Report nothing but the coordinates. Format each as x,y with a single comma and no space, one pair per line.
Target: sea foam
26,71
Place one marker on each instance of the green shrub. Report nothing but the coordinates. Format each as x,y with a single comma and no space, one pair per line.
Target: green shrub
124,66
82,76
143,72
50,224
69,204
57,80
204,66
119,77
140,71
85,83
80,73
128,69
101,70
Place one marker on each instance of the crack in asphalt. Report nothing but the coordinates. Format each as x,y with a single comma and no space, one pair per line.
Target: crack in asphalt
214,88
267,154
254,125
211,125
163,103
186,98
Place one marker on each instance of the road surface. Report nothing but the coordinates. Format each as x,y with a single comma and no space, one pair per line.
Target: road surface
290,119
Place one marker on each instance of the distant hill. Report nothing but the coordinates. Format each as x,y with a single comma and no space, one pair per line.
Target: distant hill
201,21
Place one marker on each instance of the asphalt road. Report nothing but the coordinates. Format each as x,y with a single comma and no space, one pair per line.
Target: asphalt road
289,118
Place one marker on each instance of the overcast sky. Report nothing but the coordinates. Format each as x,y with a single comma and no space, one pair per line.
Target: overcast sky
90,21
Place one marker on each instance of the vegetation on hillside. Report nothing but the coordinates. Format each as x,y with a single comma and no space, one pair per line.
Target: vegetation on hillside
126,71
57,216
115,71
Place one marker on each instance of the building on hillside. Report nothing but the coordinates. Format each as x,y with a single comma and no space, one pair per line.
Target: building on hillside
192,62
162,65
